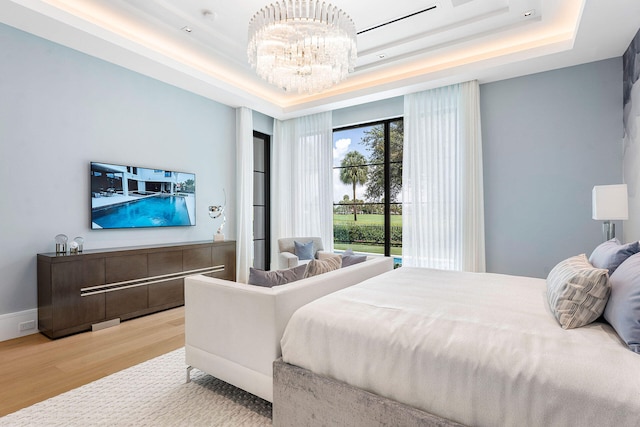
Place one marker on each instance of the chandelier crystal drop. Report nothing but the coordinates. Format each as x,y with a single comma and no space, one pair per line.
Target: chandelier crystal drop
303,46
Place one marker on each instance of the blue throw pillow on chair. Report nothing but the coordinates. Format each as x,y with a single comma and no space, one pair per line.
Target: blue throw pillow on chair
304,250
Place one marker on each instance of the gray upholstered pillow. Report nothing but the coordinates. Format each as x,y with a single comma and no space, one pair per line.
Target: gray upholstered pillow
319,266
304,250
577,292
623,308
351,259
278,277
611,254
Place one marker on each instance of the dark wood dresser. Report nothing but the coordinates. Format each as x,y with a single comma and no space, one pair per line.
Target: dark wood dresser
80,290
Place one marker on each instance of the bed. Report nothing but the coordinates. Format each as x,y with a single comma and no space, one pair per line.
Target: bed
450,348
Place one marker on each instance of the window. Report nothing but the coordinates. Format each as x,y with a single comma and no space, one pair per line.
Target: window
367,188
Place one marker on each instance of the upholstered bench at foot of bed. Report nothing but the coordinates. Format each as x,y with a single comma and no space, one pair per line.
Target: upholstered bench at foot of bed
233,330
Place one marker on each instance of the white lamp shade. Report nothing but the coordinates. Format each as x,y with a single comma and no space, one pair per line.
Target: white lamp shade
610,202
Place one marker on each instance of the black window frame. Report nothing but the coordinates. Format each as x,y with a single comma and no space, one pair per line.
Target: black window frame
267,197
386,123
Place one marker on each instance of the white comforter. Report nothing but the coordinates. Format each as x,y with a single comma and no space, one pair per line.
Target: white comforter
479,349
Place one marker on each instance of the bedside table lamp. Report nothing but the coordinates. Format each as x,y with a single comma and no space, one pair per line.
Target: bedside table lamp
609,203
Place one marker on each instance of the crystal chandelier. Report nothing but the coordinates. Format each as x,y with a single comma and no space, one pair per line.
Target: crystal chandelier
302,45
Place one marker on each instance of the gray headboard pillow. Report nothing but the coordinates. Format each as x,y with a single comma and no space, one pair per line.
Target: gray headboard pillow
623,308
611,254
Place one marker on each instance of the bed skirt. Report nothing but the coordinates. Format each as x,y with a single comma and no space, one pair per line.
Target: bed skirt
303,398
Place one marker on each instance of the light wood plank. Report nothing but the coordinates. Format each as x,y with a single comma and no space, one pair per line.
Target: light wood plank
35,368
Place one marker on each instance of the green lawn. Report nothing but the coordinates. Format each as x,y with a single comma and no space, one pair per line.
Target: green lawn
371,249
396,220
366,219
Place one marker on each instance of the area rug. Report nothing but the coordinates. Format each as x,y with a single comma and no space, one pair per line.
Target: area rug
153,393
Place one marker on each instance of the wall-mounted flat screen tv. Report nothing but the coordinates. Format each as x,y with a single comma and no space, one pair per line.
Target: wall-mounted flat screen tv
135,197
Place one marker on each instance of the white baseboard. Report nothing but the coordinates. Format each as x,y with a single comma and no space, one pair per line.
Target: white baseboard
10,324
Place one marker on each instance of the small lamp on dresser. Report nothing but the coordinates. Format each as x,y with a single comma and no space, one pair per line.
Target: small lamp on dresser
610,203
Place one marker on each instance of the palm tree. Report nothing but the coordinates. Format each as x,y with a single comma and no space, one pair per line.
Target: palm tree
354,172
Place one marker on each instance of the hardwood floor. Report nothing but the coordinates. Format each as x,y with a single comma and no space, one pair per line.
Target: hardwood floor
35,368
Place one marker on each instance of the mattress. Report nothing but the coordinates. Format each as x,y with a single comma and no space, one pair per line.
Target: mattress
476,348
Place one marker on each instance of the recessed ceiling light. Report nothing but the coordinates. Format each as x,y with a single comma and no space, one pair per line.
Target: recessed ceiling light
529,13
186,28
209,15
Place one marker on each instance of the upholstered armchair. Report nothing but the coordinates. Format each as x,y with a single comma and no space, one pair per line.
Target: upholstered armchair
287,257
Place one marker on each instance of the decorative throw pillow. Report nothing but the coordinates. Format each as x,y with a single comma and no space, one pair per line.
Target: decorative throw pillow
611,254
623,308
577,292
349,258
270,279
319,266
304,250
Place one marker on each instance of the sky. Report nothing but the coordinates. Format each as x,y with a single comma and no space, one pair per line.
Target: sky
343,142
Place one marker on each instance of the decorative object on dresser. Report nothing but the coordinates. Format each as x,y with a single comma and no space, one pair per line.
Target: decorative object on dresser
80,242
609,203
61,243
98,288
215,212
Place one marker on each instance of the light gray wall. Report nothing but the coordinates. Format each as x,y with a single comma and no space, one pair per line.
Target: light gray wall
262,123
61,109
369,112
548,138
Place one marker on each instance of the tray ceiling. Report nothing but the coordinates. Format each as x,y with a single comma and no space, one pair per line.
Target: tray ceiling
403,46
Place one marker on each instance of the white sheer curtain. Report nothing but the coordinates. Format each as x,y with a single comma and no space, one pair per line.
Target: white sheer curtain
442,186
302,180
244,192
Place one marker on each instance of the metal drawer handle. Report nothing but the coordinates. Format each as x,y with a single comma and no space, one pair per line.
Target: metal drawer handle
128,284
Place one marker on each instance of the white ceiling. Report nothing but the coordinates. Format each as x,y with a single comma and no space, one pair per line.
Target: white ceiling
457,40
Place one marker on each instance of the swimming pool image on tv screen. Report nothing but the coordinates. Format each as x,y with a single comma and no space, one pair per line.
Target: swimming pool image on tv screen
136,197
155,211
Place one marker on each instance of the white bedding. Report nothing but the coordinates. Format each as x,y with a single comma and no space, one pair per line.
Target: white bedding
479,349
